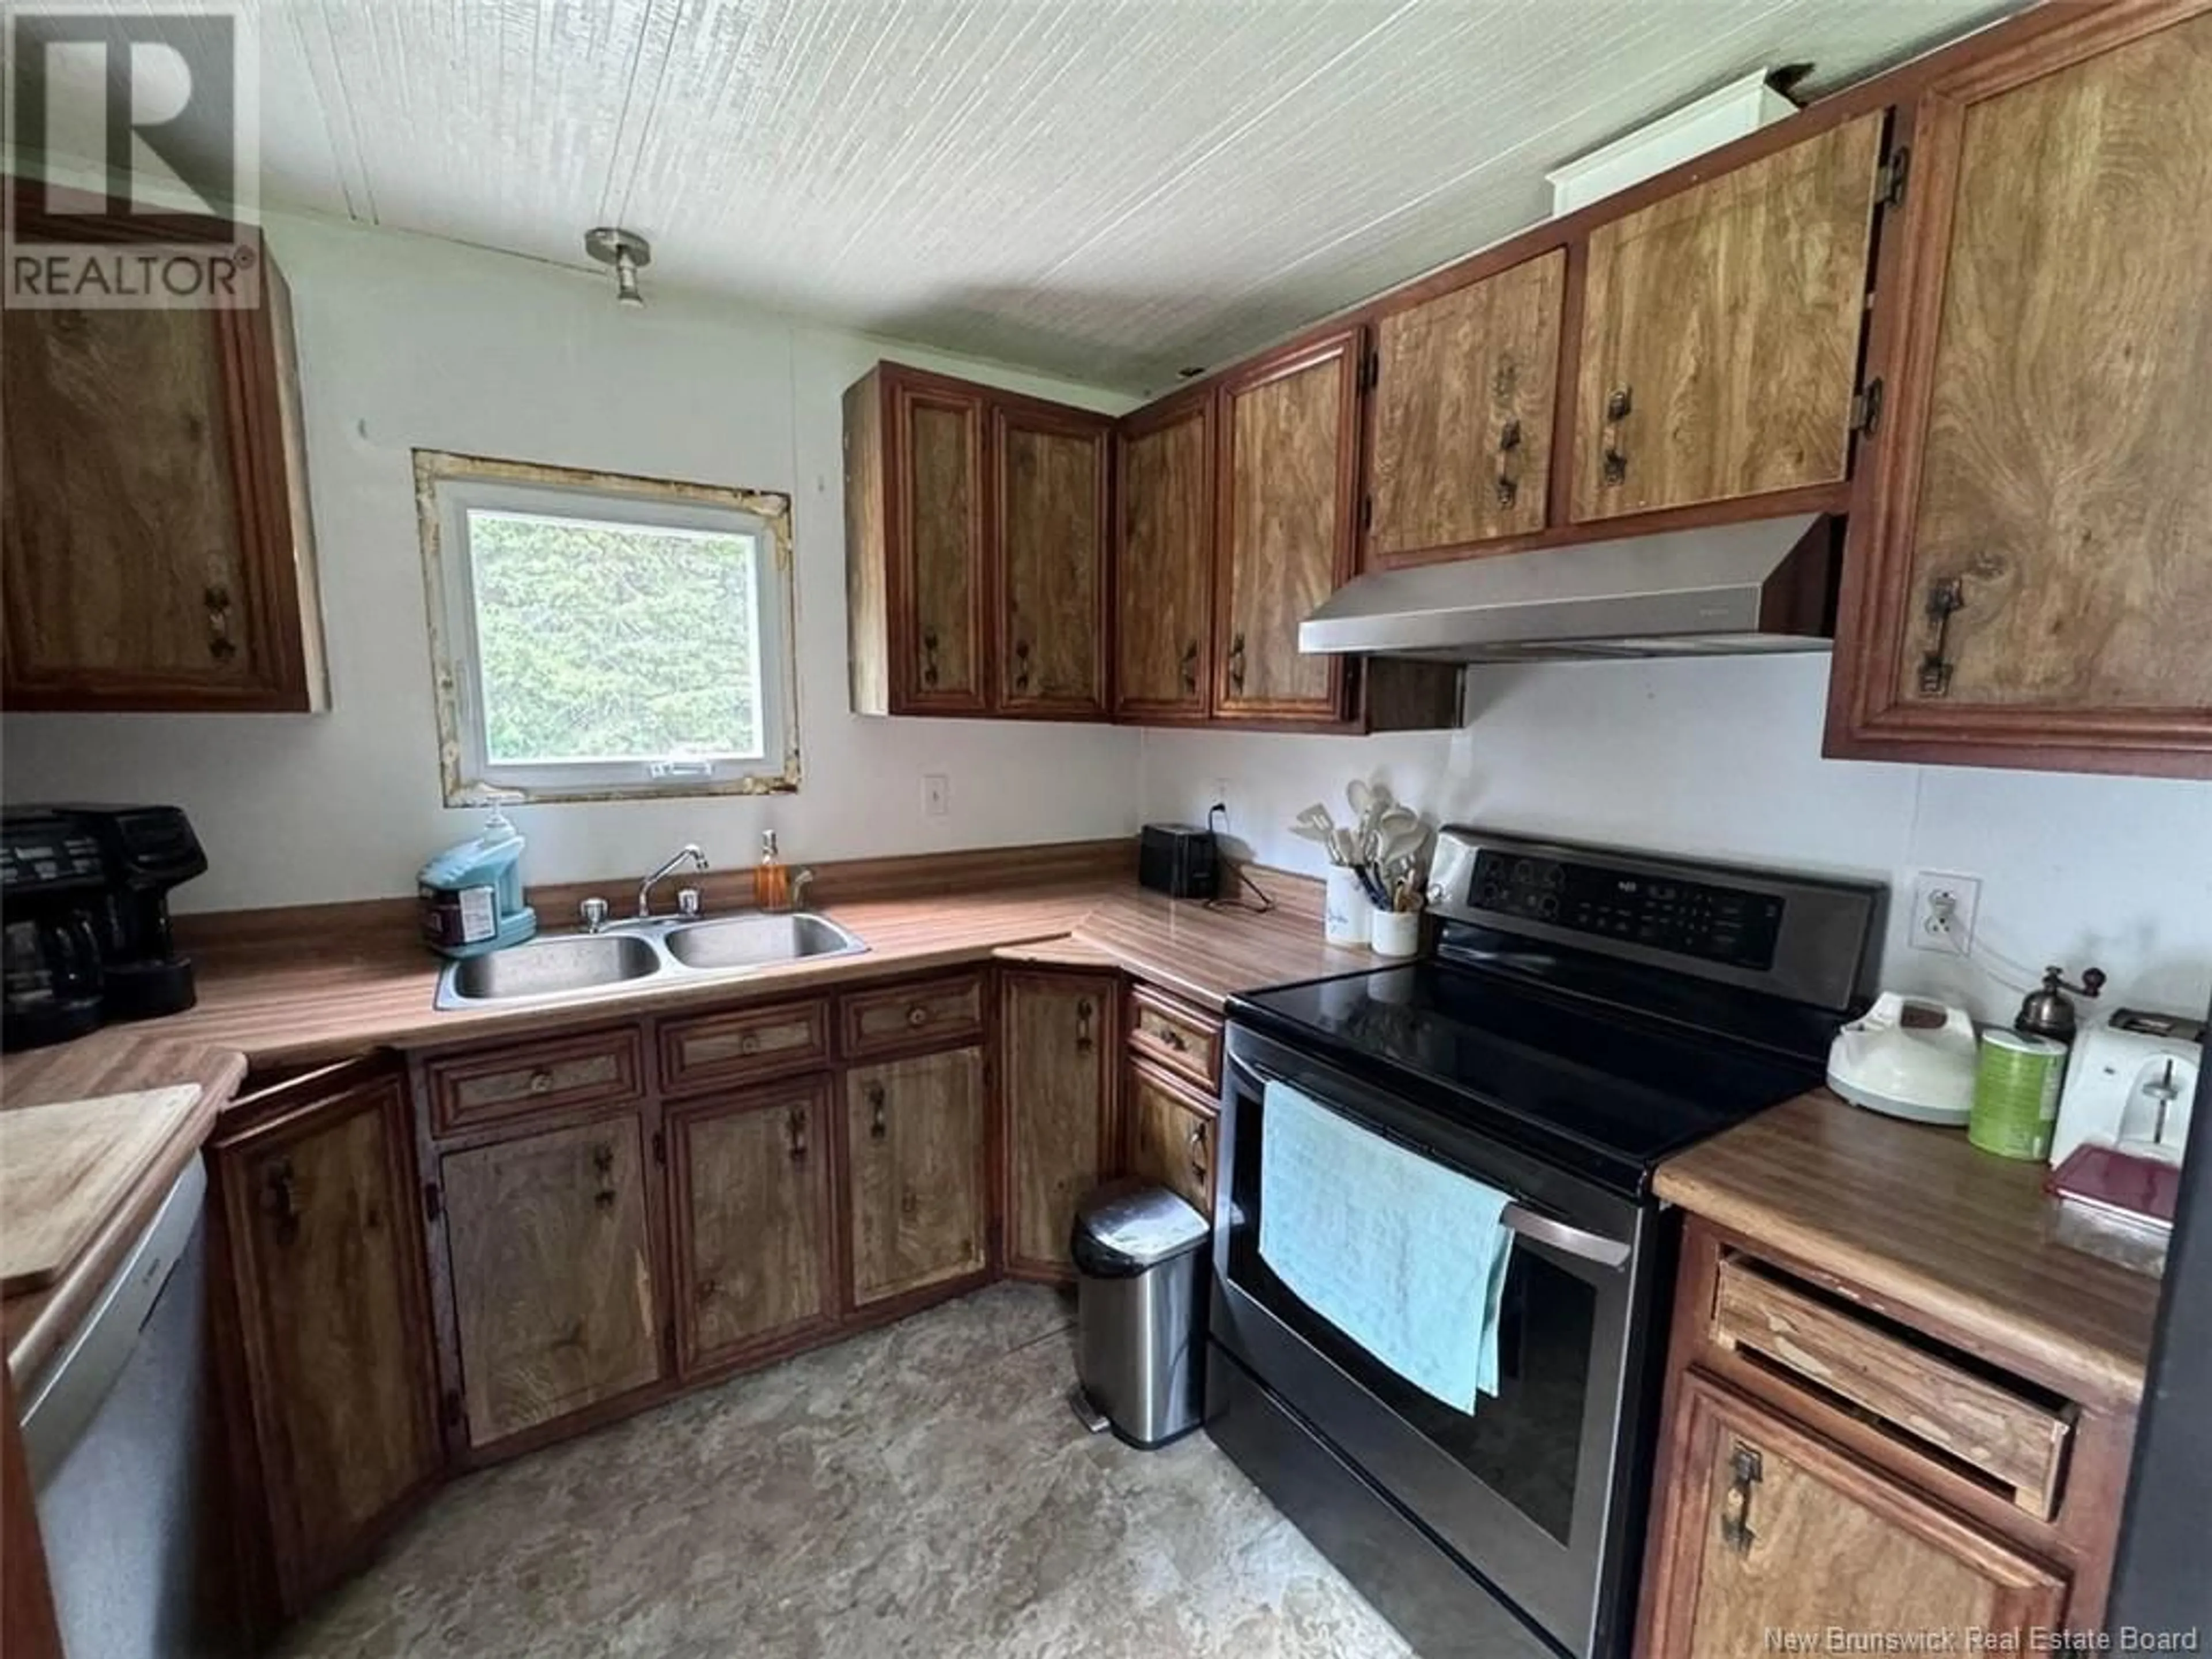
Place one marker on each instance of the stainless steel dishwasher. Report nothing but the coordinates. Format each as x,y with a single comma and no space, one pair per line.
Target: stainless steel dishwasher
111,1431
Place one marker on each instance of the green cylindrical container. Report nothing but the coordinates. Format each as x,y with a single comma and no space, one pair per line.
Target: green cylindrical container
2016,1080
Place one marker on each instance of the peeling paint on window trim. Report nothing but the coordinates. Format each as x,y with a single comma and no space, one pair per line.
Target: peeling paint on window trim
772,508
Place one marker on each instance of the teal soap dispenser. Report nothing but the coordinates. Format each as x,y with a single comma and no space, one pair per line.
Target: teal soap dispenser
470,897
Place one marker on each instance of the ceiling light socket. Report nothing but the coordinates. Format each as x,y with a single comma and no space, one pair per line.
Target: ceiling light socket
628,253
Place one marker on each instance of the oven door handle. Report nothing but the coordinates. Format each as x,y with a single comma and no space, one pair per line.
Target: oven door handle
1531,1225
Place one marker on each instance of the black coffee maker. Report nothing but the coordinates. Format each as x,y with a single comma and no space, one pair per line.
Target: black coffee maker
53,882
87,918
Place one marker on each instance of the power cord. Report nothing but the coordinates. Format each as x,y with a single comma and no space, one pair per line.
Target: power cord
1244,879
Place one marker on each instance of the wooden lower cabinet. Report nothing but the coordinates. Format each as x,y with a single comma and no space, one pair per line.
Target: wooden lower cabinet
749,1191
1170,1134
326,1299
1059,1031
918,1201
555,1301
1763,1528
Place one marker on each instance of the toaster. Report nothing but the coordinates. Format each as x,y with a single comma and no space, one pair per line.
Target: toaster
1179,859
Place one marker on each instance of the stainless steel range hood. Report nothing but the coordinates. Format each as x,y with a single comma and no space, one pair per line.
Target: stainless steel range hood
1764,587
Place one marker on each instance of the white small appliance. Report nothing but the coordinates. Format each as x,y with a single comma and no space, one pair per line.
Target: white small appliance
2130,1084
1907,1057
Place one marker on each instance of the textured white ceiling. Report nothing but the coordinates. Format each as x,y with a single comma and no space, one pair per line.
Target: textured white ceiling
1109,189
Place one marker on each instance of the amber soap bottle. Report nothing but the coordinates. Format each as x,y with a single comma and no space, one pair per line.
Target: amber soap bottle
771,881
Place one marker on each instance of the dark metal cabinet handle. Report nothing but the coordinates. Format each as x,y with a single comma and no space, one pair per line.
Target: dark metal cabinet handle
1190,666
876,1127
795,1126
1083,1044
929,656
1946,595
708,1290
280,1196
1021,664
1746,1469
603,1160
1172,1038
749,1043
221,646
1618,406
1509,440
1236,662
917,1015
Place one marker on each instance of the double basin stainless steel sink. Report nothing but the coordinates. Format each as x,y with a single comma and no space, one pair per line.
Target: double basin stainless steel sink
574,967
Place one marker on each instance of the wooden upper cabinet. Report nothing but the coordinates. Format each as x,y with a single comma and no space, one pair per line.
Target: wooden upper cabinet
917,570
2029,573
1763,1528
977,526
1720,332
1052,469
916,1150
155,542
750,1194
1165,580
1287,528
1462,407
1058,1033
550,1246
326,1250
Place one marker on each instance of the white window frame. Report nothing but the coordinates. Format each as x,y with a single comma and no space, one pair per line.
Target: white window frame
448,487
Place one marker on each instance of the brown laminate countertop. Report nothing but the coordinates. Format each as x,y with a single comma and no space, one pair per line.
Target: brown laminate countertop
331,994
117,1061
1927,1224
306,1000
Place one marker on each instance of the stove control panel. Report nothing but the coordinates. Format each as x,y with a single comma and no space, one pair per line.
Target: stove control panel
1713,923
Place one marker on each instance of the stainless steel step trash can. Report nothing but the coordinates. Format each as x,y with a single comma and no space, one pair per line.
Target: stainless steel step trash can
1141,1262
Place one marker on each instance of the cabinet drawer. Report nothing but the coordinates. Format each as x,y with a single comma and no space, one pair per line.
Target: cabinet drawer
1176,1035
746,1043
921,1013
1908,1387
595,1069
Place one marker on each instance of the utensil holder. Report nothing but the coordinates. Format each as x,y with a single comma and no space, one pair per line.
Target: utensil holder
1395,934
1345,908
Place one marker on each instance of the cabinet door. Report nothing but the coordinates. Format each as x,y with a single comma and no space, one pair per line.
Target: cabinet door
1058,1035
124,536
750,1191
1765,1529
1720,332
1164,586
1170,1135
318,1207
2030,577
914,1137
1051,467
553,1274
1290,454
939,602
1463,401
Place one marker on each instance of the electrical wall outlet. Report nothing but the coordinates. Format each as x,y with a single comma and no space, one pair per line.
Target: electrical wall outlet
1219,797
936,794
1943,908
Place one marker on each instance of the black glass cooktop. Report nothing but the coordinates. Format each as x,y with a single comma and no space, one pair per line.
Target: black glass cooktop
1617,1085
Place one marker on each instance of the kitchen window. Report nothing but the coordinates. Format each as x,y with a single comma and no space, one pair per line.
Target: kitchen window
595,636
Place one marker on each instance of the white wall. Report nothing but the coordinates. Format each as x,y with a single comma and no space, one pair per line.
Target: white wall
406,343
1722,758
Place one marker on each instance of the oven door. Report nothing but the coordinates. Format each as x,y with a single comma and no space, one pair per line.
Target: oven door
1538,1489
